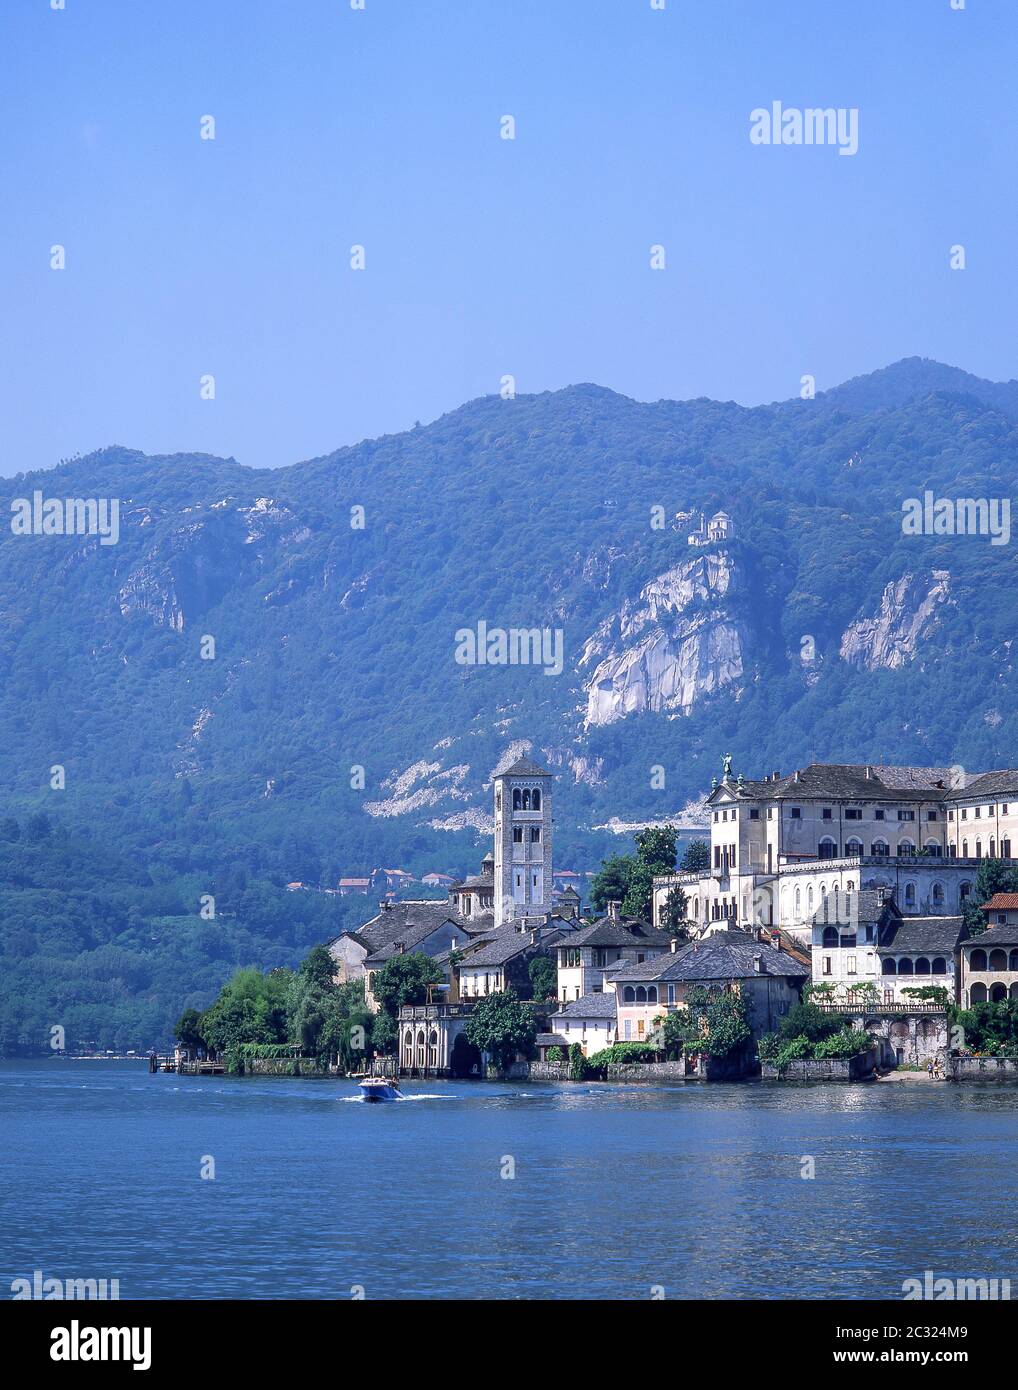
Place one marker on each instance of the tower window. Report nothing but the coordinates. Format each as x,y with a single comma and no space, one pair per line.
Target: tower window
535,834
517,834
535,799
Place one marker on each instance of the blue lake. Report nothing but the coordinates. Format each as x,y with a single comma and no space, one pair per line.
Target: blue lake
617,1190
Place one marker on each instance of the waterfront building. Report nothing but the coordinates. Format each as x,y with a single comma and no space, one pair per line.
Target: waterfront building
989,961
584,956
589,1021
769,977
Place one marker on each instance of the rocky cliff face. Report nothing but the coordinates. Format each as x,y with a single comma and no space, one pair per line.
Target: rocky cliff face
907,614
679,640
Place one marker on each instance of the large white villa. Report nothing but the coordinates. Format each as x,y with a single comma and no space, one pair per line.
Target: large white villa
779,846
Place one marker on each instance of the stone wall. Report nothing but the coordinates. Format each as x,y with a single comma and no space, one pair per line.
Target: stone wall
549,1071
287,1066
823,1068
983,1068
647,1071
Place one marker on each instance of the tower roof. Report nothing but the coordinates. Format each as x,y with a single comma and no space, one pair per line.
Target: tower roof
524,767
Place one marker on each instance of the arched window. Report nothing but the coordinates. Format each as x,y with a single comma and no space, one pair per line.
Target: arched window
964,849
938,895
535,799
939,966
998,993
977,994
979,849
823,892
798,902
905,848
652,994
849,885
629,995
880,848
964,890
922,966
889,967
1012,963
853,846
517,799
905,967
977,960
809,898
830,937
420,1048
828,848
910,895
1013,991
998,959
433,1049
641,994
933,847
526,799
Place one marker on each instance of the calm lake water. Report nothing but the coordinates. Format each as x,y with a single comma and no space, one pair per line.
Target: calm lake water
616,1189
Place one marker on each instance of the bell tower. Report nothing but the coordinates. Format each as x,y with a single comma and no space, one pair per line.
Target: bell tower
522,841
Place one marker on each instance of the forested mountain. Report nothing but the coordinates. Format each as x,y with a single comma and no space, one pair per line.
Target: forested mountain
819,630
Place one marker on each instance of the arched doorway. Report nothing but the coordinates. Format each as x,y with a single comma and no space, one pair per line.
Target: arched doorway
465,1059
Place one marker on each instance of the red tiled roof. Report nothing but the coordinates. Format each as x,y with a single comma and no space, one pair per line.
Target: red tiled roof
1002,902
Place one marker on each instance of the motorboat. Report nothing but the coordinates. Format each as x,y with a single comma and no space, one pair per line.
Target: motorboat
376,1088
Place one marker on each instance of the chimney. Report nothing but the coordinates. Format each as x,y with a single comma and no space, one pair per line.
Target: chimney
797,774
384,905
869,774
758,963
775,776
613,909
399,947
776,940
675,944
535,936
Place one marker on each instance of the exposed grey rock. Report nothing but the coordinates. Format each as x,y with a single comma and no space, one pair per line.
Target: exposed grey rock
908,613
680,640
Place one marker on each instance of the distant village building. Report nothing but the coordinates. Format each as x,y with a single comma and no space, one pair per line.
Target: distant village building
354,885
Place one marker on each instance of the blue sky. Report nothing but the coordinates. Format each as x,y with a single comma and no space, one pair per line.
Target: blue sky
484,256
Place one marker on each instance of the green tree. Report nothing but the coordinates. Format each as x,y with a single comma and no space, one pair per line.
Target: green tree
992,876
543,977
611,882
695,857
187,1029
673,916
502,1026
404,979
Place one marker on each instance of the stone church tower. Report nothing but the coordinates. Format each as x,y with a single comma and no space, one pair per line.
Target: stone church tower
522,842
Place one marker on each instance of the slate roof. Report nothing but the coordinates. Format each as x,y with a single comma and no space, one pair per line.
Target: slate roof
723,955
524,767
987,785
589,1006
403,919
606,932
551,1040
921,936
846,780
505,945
996,936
